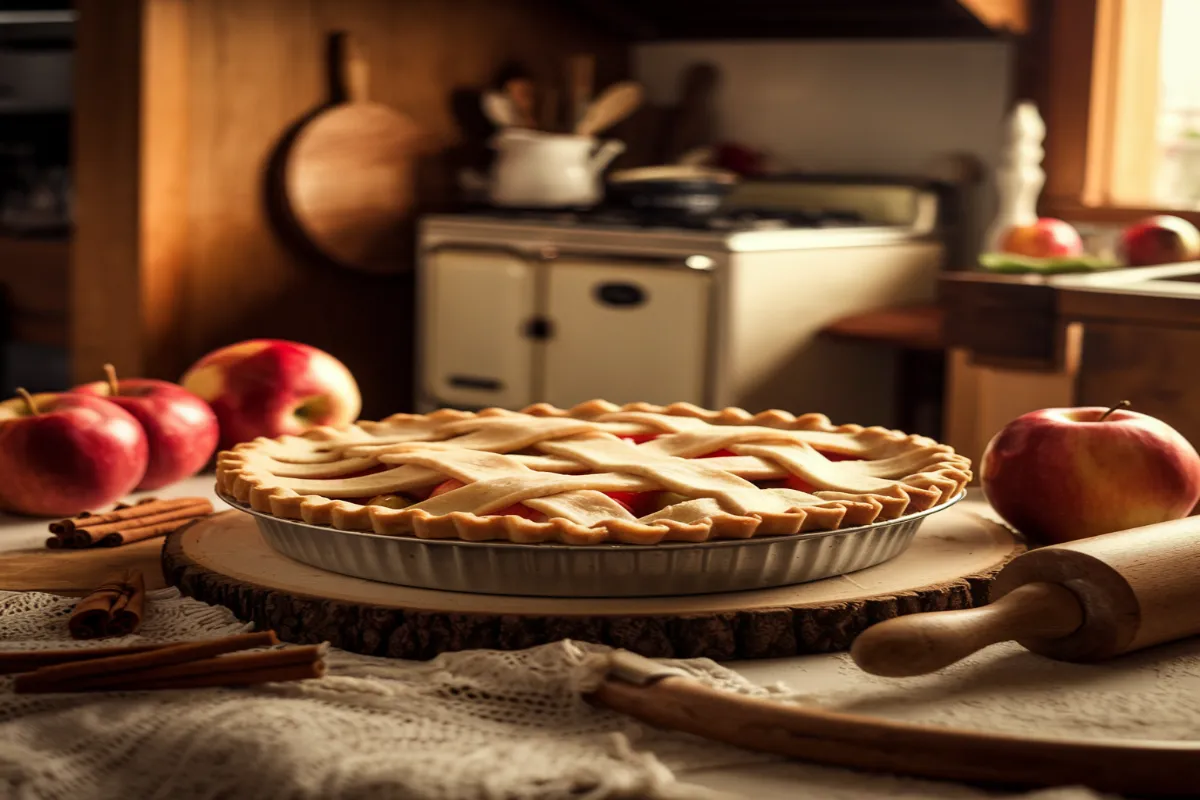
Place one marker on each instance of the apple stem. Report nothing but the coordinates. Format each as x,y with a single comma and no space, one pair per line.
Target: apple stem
1122,404
110,373
29,402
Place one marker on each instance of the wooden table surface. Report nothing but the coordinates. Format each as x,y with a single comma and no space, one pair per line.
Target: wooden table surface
1001,683
27,565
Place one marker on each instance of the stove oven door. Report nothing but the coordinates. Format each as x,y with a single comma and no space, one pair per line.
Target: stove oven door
475,307
625,331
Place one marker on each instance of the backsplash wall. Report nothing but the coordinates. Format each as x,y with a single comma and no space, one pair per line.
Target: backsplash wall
847,106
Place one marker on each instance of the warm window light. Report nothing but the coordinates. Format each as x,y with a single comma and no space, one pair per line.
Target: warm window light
1178,179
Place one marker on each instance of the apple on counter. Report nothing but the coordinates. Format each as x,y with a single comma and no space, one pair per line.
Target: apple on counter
271,387
1160,240
61,454
1062,474
181,429
1045,238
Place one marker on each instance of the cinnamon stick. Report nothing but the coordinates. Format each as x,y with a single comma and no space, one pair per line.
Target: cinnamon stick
123,512
29,660
277,660
63,675
84,536
113,609
298,672
132,535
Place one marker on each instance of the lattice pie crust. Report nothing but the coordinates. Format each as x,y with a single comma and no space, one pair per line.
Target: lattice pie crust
576,476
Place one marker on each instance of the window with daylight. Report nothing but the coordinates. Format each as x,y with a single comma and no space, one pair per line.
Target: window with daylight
1177,183
1121,99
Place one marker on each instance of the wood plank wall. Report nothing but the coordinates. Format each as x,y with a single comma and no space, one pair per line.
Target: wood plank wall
181,257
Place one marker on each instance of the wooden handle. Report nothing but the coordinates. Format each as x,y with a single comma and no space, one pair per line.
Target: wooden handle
613,105
1155,768
1138,588
923,643
581,71
350,73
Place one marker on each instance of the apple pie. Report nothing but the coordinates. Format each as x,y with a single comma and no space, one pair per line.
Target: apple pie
596,473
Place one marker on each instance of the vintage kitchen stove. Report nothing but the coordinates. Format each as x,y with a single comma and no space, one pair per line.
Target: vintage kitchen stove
518,307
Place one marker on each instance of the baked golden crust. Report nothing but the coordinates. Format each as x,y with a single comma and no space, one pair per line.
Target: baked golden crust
565,465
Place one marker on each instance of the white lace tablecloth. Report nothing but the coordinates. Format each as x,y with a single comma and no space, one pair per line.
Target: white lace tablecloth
510,726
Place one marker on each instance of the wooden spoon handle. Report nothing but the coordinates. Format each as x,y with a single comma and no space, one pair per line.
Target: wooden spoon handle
921,643
350,72
613,105
825,737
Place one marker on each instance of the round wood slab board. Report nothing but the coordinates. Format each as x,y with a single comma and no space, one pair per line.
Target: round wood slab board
224,560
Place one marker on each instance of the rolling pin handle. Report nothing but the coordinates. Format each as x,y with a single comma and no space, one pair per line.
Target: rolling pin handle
922,643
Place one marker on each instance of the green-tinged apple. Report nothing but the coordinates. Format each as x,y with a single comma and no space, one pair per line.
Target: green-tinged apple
181,429
272,387
1069,473
61,454
1159,240
1046,238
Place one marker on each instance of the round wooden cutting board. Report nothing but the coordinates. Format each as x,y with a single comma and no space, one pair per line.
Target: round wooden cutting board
224,560
348,174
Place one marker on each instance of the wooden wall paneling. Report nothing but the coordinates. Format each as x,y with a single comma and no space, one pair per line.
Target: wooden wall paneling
180,108
105,268
256,68
130,172
163,182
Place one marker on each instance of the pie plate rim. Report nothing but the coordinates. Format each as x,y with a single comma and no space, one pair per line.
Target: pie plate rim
607,546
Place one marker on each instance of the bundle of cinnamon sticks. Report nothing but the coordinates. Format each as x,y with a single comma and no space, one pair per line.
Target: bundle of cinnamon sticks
187,665
127,523
114,608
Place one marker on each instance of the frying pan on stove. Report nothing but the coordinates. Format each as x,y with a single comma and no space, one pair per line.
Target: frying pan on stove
672,190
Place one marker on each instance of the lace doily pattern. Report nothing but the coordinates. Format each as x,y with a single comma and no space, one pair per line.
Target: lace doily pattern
637,474
485,724
479,724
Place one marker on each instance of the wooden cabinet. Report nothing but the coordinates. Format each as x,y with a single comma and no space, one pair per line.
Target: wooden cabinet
1130,334
1154,367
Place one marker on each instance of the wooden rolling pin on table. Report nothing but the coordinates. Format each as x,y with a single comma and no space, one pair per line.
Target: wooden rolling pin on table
1083,601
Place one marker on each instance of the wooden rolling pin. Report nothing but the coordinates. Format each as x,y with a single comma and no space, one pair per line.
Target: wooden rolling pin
1083,601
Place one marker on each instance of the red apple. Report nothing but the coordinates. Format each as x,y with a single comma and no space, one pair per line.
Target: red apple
65,453
1160,240
1046,238
181,429
1069,473
270,387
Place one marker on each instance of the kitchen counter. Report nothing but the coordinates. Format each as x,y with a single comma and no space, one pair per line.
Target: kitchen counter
1022,342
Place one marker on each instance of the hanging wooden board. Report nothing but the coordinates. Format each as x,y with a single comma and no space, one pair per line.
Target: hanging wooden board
349,170
224,560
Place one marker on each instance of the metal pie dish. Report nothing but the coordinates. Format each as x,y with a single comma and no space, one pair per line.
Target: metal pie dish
606,570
